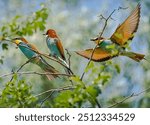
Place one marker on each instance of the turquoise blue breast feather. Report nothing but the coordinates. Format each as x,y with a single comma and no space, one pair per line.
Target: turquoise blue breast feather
27,51
51,43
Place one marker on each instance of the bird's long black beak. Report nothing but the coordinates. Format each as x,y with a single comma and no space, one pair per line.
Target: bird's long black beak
94,39
45,35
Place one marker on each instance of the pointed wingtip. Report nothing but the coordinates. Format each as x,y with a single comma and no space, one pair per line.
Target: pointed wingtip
78,52
139,6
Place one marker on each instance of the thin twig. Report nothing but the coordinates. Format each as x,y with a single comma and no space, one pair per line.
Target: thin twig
12,73
101,17
69,64
21,67
34,72
117,103
122,8
128,97
56,90
101,33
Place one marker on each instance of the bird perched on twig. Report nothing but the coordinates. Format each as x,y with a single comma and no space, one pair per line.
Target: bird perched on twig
56,48
31,52
119,39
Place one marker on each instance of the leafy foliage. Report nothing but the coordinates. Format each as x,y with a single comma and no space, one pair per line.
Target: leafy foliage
85,93
18,27
17,93
78,97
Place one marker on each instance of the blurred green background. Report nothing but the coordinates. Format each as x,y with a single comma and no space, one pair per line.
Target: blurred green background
75,21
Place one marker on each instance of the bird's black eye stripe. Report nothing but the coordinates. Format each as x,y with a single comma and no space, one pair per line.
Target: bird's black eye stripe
16,39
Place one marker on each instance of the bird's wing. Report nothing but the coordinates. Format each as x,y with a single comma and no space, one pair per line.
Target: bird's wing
60,47
99,54
43,64
126,30
32,47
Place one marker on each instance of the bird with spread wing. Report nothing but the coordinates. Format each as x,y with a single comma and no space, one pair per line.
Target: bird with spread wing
122,35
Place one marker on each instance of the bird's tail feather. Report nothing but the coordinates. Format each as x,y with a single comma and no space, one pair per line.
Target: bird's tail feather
135,56
67,69
50,76
64,62
48,69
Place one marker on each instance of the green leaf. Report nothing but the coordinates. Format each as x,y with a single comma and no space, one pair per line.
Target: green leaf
5,46
3,28
77,80
90,66
105,78
17,93
93,90
1,61
117,67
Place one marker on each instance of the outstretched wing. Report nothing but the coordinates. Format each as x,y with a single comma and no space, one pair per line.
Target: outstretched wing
99,54
60,47
126,30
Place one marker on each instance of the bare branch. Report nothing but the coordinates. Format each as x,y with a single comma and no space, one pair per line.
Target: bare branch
122,8
12,73
130,96
52,92
34,72
102,17
101,33
56,90
112,19
21,67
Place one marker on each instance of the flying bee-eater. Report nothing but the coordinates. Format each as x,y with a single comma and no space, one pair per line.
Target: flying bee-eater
31,52
119,39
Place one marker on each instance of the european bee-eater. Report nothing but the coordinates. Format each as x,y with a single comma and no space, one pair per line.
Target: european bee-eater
55,46
119,39
31,52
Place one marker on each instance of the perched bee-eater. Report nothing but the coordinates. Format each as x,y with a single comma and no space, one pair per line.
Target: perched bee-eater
55,46
31,52
119,39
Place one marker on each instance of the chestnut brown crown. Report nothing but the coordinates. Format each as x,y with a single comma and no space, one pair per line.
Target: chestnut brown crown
51,33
